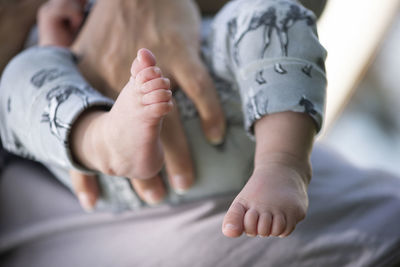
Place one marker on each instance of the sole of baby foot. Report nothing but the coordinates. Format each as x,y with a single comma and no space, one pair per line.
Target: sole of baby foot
134,123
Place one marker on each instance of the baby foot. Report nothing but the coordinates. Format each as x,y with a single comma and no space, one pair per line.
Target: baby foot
272,202
133,125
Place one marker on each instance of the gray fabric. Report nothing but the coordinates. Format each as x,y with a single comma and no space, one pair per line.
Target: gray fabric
270,51
42,94
352,222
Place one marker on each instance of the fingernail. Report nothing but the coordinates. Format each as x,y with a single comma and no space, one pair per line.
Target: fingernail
230,226
180,184
152,197
216,135
86,204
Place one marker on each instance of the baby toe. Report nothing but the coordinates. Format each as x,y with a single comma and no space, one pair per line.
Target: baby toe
158,83
278,224
233,221
264,224
157,96
250,222
290,226
155,111
144,59
148,74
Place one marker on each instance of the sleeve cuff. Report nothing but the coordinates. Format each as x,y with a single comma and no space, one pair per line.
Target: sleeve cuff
94,102
279,85
42,95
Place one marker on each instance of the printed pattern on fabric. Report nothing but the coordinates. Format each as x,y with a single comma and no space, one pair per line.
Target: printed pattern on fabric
276,19
270,49
56,97
38,109
46,75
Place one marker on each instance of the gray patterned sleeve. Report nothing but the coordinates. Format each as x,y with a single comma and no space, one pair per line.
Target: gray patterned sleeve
42,93
270,49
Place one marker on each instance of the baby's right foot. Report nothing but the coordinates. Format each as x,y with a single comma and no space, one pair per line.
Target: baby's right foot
131,130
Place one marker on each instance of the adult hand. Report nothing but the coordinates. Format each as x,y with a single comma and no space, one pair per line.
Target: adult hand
115,30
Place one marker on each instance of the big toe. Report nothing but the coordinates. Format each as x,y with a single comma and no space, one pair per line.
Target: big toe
233,221
144,59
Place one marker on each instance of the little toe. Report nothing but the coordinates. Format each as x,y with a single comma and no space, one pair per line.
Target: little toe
290,226
233,221
278,224
144,59
250,222
264,224
157,96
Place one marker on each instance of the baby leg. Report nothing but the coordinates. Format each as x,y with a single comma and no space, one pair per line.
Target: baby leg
270,51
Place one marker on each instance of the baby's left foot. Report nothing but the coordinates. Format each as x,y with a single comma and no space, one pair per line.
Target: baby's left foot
272,202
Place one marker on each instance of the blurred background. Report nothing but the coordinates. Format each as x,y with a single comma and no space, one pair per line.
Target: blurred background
363,111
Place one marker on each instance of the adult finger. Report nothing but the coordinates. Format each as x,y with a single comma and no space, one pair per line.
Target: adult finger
86,189
193,77
178,160
152,190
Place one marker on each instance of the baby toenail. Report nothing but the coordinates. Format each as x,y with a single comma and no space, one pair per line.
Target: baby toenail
139,56
166,81
250,235
157,70
230,226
